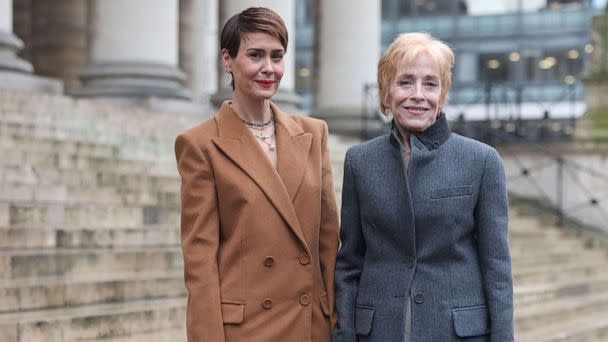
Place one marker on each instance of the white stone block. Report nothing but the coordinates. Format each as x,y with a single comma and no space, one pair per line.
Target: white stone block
5,218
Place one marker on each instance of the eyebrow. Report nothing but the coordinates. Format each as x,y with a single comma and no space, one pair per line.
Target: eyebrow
262,50
433,77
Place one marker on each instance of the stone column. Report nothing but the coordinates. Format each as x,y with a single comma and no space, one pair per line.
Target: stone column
58,46
133,50
15,72
198,46
349,49
286,97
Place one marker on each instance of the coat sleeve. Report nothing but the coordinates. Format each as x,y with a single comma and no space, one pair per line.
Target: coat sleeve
350,257
491,218
328,236
200,237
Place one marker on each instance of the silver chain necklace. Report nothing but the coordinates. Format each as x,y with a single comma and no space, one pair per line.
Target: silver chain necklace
256,125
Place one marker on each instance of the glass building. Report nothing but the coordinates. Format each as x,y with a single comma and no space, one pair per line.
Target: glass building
528,56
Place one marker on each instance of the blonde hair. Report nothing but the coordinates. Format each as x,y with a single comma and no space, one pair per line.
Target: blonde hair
403,51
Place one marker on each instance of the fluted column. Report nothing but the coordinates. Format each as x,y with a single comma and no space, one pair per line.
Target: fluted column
133,50
59,39
198,46
348,53
286,97
15,72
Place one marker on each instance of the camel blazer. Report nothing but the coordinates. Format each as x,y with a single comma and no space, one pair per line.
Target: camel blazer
259,243
436,233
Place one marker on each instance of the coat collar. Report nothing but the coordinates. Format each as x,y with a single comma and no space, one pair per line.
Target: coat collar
293,145
432,138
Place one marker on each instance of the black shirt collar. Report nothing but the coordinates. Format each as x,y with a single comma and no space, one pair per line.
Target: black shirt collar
432,137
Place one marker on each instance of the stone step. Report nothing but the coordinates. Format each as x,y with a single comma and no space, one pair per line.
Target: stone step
169,335
35,293
524,247
70,216
526,233
154,165
95,322
49,146
525,295
92,127
30,184
20,263
93,116
560,257
25,136
525,275
86,194
154,235
592,327
559,310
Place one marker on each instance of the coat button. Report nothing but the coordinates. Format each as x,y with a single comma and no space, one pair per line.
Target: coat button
268,261
419,298
304,300
304,259
410,265
267,303
436,144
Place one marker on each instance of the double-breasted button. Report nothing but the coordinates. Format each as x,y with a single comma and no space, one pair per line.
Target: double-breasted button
304,259
267,303
304,300
268,261
419,298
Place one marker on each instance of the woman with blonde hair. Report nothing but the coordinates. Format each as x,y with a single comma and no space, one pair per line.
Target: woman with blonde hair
425,253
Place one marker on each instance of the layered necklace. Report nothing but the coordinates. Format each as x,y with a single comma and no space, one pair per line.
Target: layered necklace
266,139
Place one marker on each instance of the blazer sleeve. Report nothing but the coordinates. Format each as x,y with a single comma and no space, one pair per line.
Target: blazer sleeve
350,257
328,236
200,238
491,218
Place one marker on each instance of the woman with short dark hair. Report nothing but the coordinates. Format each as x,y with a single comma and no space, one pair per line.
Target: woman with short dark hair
259,220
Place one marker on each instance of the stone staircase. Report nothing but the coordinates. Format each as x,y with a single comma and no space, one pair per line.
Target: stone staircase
89,222
89,233
561,283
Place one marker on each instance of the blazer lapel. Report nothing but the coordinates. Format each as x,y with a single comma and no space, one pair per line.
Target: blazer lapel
240,146
292,151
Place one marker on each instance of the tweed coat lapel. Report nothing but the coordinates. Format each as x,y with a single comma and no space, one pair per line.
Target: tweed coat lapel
280,186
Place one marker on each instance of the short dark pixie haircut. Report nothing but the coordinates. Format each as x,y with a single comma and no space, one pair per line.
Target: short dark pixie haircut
251,20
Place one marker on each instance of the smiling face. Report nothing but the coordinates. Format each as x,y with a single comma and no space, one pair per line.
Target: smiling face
415,94
258,67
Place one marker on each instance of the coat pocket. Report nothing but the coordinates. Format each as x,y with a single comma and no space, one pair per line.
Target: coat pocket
233,312
471,321
456,191
325,305
364,316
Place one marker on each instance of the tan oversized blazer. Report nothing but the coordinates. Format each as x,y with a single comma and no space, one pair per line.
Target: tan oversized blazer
259,243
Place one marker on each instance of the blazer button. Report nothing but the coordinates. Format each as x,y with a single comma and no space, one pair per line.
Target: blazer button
267,303
419,298
268,261
304,259
304,300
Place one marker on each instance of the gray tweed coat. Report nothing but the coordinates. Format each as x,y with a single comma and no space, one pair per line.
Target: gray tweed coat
437,233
